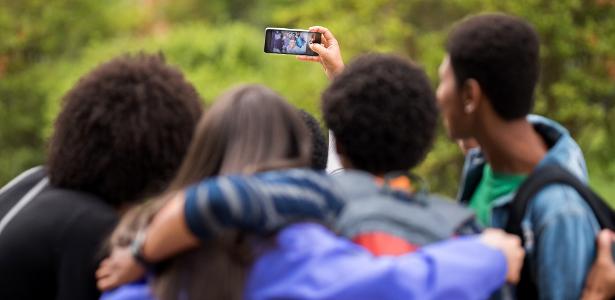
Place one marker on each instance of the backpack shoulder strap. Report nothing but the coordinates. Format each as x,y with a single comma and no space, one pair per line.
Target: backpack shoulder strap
554,174
536,181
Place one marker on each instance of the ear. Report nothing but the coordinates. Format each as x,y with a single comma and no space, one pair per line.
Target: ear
472,95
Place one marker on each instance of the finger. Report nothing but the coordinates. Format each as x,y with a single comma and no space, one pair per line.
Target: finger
308,58
515,239
106,283
591,292
102,272
324,41
589,282
326,33
498,231
491,230
100,285
105,265
604,247
324,30
318,48
592,295
105,262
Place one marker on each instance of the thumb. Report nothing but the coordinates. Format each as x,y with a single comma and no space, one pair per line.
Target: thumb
604,246
318,48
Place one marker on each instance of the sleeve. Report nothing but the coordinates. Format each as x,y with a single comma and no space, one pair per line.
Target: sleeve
132,291
323,266
260,204
565,244
80,254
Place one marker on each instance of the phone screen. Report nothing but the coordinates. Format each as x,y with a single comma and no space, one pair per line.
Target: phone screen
289,41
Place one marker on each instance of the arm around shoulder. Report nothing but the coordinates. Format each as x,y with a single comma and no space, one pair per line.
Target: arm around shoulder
335,268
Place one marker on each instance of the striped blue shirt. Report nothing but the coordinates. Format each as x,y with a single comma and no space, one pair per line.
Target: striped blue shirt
261,203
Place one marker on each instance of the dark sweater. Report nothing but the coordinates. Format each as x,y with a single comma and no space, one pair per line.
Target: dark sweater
52,247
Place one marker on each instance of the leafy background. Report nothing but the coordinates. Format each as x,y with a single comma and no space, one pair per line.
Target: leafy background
46,45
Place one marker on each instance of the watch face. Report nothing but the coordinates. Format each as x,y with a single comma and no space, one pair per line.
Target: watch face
136,249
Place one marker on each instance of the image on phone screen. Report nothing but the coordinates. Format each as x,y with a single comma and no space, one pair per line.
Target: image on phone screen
290,41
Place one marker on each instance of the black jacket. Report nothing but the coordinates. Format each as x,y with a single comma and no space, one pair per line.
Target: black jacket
52,247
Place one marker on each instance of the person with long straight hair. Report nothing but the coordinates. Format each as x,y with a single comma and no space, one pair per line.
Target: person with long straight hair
248,129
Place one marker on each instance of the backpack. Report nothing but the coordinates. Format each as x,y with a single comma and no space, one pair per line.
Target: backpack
535,182
390,222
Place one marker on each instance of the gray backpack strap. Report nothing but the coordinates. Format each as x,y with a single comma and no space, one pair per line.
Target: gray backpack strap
27,198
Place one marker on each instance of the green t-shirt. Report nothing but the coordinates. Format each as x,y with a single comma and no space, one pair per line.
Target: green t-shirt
492,186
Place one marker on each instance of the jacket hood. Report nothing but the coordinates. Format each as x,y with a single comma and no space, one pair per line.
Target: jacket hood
563,150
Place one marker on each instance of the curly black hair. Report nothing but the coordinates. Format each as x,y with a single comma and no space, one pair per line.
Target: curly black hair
501,52
320,145
124,129
382,112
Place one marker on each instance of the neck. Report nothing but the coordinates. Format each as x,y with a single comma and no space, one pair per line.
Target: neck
511,146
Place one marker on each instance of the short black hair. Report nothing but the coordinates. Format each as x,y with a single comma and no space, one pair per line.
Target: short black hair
124,129
501,52
320,146
382,111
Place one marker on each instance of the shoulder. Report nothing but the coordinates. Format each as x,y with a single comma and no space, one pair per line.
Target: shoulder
81,203
76,215
55,210
559,202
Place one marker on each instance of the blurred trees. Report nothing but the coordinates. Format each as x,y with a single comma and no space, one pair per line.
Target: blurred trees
47,45
34,35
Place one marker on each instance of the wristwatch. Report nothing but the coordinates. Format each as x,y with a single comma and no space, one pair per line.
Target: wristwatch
136,249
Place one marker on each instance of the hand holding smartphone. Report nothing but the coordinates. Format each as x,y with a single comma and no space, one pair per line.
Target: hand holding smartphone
290,41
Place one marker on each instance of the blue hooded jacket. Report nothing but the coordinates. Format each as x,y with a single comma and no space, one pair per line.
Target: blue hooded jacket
559,227
310,262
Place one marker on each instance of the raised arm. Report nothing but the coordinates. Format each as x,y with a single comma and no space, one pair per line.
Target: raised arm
329,53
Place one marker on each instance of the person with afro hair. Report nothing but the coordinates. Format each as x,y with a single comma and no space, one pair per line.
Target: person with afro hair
382,112
120,137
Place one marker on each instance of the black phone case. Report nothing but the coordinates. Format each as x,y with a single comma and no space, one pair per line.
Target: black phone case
269,41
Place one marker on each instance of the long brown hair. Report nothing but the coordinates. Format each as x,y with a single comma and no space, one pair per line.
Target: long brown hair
250,128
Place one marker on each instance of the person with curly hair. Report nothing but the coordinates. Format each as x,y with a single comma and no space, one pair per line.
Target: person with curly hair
119,138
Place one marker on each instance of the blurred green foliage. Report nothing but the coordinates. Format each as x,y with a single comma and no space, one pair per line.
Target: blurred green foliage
47,45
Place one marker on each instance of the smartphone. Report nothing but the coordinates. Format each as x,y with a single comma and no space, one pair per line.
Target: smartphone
290,41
